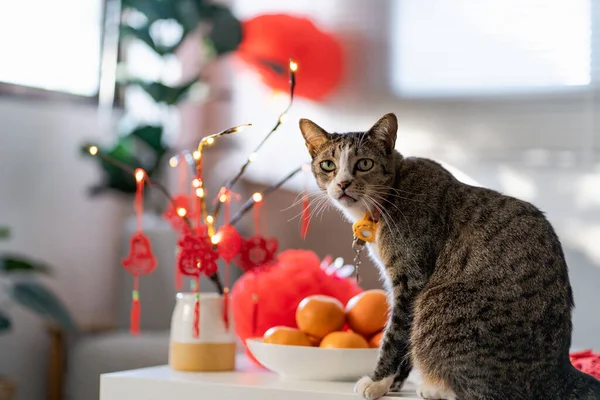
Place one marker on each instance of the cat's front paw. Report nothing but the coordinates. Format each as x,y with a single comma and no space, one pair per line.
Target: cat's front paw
372,390
431,392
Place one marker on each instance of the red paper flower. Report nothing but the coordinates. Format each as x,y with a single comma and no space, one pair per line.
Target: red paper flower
270,40
256,252
230,242
170,214
197,255
140,260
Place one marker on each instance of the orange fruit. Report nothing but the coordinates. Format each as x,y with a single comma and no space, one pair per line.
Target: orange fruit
319,315
368,312
375,341
344,340
286,335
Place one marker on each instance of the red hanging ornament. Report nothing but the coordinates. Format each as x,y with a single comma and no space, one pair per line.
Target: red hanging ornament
176,211
141,260
197,255
229,242
257,251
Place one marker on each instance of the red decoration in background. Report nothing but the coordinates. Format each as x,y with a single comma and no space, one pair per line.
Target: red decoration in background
141,260
176,221
587,361
294,275
269,41
256,251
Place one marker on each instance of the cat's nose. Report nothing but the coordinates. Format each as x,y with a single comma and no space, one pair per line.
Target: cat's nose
344,184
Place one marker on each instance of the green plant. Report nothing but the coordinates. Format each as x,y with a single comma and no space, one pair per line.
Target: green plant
18,285
141,145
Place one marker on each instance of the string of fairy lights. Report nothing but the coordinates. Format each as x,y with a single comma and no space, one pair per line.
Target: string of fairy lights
197,182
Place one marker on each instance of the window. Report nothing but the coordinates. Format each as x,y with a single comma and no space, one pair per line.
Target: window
450,48
53,45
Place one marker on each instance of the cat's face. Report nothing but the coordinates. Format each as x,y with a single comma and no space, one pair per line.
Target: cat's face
355,169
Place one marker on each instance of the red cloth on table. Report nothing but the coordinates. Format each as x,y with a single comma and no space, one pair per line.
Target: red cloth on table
587,361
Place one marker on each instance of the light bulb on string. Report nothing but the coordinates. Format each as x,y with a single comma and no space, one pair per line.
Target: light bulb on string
210,141
257,197
200,192
181,212
223,198
196,183
215,239
293,66
173,161
210,219
139,175
196,154
252,157
283,118
93,150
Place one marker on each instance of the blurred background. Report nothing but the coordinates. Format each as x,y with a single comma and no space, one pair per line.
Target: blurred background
504,92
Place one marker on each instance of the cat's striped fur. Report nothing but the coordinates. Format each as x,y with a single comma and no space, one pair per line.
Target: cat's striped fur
480,293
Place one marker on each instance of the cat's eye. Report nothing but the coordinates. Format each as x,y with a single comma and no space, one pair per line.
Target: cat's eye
327,166
364,164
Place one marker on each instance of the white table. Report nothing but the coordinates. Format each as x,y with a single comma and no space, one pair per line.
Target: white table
249,382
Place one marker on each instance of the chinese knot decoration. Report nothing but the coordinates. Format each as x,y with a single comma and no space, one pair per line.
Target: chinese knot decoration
141,260
197,255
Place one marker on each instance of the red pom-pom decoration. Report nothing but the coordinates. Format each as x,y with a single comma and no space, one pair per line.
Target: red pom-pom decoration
295,275
269,41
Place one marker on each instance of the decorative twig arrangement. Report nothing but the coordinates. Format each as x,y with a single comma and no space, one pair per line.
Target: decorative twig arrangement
200,193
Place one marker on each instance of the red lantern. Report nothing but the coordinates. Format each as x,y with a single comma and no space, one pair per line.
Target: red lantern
269,41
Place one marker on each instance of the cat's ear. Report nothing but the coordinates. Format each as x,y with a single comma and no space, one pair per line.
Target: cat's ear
313,134
385,130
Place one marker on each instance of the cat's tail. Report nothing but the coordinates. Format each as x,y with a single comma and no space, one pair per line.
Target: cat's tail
580,386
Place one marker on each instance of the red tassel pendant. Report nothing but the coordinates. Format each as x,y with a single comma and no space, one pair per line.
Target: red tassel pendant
226,308
134,317
178,278
254,314
305,217
196,327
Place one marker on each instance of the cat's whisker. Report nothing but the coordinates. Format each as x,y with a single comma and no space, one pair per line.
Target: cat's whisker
313,205
300,197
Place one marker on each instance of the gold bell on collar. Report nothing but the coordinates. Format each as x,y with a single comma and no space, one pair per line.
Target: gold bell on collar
365,228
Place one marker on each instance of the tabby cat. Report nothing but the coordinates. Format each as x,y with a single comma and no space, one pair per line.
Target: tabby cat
478,284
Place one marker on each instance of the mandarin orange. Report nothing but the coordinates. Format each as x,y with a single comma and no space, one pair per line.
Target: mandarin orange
344,340
368,312
375,340
286,335
319,315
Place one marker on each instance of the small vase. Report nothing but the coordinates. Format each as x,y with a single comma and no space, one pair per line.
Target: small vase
215,347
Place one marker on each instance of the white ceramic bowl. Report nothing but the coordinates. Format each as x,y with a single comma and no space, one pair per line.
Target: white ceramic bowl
314,363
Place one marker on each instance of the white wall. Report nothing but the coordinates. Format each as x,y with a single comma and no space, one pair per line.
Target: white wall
43,199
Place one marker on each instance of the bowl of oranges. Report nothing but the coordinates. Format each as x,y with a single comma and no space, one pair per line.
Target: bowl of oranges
333,341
